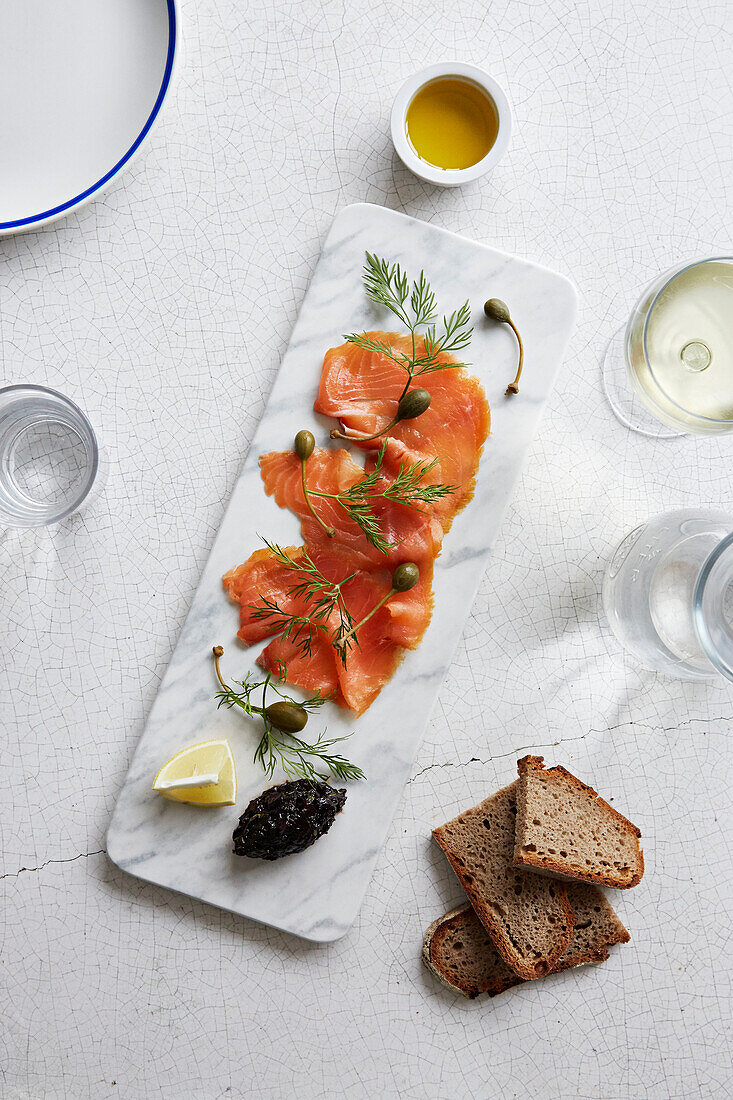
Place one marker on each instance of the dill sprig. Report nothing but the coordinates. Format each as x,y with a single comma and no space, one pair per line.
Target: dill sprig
297,758
387,285
324,598
299,629
407,488
294,755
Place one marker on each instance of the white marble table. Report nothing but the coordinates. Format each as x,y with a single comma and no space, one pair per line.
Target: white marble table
164,309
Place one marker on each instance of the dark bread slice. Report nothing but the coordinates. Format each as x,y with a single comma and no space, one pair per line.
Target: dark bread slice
565,829
528,917
459,951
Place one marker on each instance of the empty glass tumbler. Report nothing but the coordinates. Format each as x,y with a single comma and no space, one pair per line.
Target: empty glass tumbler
48,456
668,594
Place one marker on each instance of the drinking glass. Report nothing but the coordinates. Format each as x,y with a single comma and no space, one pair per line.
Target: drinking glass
673,363
668,594
48,456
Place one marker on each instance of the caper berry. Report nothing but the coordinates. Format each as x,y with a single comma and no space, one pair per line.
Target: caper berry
496,310
287,717
405,576
413,404
304,444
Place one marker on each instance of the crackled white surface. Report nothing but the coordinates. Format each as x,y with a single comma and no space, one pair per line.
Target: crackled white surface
165,309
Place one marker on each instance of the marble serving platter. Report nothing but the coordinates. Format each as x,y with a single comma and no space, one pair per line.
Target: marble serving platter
317,893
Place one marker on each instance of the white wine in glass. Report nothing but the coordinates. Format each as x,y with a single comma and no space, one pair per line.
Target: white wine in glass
678,351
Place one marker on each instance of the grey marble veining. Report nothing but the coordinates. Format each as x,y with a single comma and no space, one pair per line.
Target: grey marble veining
317,894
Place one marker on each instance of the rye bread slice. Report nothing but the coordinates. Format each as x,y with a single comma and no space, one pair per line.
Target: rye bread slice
566,830
459,951
527,916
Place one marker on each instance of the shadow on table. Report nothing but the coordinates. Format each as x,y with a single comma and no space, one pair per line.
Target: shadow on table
194,918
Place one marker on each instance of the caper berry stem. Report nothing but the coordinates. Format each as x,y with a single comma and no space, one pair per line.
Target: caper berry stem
304,445
329,530
513,387
404,578
218,652
366,618
336,434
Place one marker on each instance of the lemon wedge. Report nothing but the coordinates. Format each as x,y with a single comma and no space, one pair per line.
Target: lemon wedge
201,775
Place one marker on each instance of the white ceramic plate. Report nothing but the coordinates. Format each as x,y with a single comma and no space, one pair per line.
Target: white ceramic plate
81,84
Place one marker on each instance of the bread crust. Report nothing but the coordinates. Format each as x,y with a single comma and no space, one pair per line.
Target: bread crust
540,866
435,933
526,971
439,929
548,867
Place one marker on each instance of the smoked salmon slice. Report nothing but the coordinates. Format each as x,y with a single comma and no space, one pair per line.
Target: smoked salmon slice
362,388
315,671
263,574
373,661
380,643
414,534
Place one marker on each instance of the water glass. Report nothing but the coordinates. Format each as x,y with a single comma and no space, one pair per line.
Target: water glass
48,456
668,594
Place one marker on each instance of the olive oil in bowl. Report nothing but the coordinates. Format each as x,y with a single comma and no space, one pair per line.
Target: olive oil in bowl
451,123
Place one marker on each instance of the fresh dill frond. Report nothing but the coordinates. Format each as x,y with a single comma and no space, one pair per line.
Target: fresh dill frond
387,285
298,629
360,510
407,488
323,597
297,758
300,760
422,302
229,698
380,347
455,337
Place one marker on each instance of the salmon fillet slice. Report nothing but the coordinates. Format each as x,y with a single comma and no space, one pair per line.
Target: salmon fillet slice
415,534
362,388
313,672
398,625
263,574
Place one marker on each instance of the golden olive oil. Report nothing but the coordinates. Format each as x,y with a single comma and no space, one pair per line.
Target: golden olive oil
451,123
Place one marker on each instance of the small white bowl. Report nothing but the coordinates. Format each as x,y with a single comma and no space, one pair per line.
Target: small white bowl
449,177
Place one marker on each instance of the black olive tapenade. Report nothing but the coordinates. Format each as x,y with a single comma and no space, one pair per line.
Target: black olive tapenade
286,819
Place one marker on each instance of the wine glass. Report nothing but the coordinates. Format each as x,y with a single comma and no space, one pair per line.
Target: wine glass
677,352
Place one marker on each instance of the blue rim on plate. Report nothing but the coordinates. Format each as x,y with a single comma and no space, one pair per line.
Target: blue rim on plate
53,211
